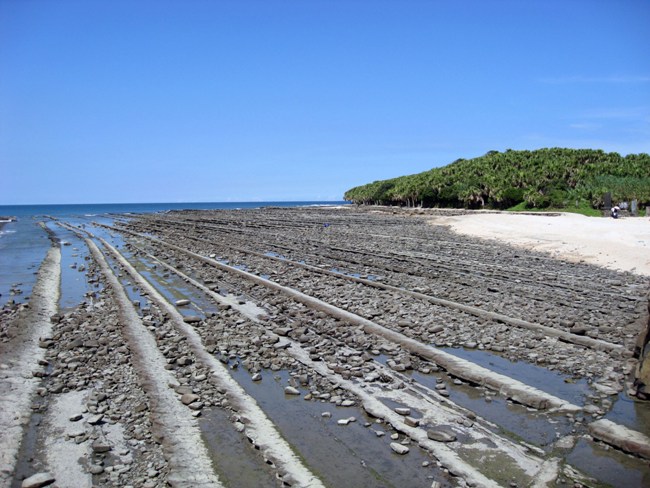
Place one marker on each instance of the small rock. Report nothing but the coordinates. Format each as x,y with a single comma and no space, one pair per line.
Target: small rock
346,421
37,480
257,377
290,390
188,398
182,303
95,469
100,446
412,422
191,319
403,411
578,330
399,448
95,419
441,435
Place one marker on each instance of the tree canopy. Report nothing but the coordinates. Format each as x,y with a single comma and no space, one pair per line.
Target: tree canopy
543,178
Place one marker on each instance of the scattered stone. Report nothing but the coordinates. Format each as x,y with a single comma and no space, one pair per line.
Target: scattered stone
38,480
399,448
290,390
95,469
182,303
441,434
189,398
95,419
100,446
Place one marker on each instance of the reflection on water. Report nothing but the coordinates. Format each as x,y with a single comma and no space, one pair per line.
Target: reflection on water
609,465
350,455
541,378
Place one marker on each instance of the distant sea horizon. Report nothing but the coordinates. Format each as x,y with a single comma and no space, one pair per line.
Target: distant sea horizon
90,209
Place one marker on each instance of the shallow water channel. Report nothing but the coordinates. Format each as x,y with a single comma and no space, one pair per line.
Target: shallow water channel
606,464
341,455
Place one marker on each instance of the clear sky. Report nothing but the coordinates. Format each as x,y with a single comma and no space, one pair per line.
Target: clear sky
187,100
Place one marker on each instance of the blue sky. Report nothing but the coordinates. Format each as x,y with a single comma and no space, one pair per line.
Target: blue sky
153,101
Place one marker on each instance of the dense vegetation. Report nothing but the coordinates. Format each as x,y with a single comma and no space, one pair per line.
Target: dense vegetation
544,178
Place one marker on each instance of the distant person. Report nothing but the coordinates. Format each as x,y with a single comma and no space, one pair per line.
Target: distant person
615,210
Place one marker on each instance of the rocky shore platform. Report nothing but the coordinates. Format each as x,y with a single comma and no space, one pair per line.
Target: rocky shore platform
315,347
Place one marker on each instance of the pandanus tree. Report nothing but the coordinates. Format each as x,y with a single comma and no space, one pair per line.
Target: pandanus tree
552,176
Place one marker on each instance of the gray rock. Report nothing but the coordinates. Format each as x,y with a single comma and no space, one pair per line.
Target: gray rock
189,398
441,434
403,411
95,469
95,419
100,446
39,479
578,330
191,319
399,448
290,390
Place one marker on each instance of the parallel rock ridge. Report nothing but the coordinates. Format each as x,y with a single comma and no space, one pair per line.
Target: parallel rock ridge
211,348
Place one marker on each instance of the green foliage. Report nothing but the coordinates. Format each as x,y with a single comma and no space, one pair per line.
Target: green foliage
546,178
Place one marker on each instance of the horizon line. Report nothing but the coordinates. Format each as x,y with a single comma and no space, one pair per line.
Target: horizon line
166,203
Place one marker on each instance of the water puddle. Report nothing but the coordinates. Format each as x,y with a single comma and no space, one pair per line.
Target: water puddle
173,287
609,466
632,413
514,420
561,386
74,261
341,455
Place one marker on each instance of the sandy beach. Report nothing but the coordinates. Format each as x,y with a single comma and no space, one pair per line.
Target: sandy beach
622,244
327,347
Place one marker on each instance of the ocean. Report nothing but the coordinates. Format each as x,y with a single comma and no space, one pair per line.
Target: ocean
23,243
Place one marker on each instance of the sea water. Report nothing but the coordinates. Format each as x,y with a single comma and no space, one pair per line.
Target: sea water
24,244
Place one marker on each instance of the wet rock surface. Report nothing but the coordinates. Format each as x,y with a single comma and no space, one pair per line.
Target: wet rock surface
327,360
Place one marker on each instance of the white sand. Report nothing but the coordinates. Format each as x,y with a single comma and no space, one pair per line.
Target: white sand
622,244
